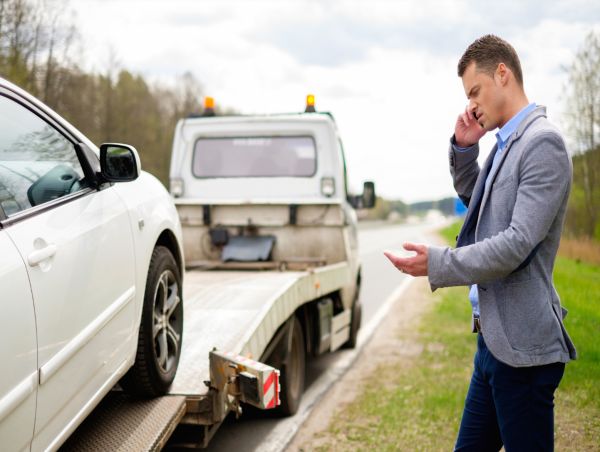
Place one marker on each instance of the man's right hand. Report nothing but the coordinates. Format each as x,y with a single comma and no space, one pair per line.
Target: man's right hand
467,131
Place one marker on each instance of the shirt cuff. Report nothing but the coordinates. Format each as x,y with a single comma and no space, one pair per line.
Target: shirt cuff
458,148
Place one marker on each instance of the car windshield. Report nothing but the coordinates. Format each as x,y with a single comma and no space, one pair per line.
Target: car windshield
255,157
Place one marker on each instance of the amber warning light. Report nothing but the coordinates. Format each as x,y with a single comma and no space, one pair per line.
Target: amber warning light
310,104
209,107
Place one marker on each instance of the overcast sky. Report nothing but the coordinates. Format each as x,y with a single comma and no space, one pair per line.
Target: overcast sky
385,69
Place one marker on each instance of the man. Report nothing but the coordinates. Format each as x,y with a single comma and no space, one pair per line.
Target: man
506,252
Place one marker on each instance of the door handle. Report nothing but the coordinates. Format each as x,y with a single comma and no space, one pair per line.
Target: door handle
37,256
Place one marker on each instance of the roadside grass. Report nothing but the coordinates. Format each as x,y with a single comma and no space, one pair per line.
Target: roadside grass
578,397
450,232
581,249
415,404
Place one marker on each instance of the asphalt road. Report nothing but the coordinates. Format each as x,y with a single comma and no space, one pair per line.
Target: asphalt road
379,280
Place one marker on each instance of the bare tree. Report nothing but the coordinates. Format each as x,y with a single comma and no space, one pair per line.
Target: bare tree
583,115
111,105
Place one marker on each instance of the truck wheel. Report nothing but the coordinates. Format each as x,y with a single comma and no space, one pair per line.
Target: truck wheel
161,328
292,371
354,324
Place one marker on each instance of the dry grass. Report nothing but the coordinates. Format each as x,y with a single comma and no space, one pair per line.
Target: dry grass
582,249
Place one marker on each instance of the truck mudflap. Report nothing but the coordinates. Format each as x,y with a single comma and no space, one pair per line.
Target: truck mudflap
247,380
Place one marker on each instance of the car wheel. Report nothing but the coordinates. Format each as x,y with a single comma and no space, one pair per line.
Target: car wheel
292,371
161,328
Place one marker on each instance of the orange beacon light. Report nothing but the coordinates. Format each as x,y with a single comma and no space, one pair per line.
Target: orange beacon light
310,104
209,107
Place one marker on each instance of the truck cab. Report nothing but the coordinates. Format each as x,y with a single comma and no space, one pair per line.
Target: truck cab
282,176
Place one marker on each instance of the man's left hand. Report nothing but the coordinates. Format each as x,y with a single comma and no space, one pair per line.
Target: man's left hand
414,265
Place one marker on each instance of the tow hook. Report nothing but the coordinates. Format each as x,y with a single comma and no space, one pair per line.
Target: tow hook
232,387
247,380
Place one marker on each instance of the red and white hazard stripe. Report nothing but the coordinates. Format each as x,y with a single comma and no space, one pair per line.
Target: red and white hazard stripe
271,390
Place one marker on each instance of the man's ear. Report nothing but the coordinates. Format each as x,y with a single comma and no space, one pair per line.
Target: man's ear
502,74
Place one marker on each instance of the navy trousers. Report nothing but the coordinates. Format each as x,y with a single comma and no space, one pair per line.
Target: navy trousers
508,406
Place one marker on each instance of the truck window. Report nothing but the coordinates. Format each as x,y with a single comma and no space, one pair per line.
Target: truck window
255,157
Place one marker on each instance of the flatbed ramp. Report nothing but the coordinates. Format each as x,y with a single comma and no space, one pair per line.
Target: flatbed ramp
237,311
121,423
240,311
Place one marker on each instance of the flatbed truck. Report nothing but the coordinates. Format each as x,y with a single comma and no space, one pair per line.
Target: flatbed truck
272,274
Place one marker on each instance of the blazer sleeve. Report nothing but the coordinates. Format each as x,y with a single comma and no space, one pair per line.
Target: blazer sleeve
464,169
544,178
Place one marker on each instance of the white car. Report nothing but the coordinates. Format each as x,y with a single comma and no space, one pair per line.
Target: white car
91,267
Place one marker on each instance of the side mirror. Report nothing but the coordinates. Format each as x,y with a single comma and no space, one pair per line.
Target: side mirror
369,195
119,162
366,200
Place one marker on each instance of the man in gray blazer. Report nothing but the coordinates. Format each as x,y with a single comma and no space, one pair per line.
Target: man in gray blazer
505,252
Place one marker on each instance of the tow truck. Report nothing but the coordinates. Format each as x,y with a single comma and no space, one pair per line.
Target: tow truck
272,273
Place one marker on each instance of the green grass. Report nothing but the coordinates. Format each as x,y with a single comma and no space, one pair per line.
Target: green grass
416,404
451,232
579,288
578,396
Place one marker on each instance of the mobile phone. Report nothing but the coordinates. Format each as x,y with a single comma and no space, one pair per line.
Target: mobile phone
475,116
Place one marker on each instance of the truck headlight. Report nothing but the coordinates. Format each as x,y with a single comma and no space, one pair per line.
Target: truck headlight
328,186
176,187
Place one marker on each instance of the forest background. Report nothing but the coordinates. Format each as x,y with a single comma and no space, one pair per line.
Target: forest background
39,49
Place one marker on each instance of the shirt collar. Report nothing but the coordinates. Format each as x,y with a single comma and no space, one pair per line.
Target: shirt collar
509,128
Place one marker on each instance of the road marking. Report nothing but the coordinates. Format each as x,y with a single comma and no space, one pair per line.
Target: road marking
286,429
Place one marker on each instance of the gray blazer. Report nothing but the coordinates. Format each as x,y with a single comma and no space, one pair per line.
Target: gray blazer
509,240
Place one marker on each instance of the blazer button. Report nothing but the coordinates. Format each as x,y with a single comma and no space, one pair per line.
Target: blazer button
451,160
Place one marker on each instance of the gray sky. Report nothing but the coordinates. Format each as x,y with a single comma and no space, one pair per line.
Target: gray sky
385,69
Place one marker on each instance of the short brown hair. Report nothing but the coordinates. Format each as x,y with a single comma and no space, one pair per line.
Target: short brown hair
488,52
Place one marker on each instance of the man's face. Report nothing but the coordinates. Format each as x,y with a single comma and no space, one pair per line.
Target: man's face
486,97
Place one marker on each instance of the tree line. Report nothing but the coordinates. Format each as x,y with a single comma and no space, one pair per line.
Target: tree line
582,121
38,41
38,52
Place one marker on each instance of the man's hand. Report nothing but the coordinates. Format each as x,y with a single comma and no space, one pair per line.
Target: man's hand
467,131
414,265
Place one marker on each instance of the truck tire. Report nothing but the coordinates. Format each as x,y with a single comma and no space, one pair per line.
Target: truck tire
355,322
292,371
161,328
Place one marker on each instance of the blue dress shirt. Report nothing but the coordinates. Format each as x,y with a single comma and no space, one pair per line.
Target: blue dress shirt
502,137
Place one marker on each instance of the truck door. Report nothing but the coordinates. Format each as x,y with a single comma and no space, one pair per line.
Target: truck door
18,354
78,251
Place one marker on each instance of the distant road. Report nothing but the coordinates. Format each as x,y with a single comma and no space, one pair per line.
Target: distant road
379,280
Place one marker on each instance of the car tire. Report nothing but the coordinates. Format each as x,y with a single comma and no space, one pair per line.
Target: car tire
161,329
292,369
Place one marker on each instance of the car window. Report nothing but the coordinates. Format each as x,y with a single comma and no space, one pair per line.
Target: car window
37,163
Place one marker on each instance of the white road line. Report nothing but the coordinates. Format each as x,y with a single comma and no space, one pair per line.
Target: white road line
286,429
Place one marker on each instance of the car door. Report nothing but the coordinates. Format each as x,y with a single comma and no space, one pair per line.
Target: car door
18,353
78,251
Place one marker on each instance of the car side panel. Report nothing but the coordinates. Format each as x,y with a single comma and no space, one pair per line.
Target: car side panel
84,301
18,354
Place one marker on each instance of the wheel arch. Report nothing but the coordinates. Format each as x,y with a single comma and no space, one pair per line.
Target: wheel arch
168,240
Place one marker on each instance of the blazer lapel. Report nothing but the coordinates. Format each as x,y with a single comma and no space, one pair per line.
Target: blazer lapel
472,212
535,114
486,193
